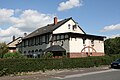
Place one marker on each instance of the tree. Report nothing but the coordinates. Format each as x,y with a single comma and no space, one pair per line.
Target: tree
3,49
112,46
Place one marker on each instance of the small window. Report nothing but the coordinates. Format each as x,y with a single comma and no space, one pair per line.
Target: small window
69,26
87,53
92,41
62,43
29,52
24,52
74,27
55,38
83,41
46,39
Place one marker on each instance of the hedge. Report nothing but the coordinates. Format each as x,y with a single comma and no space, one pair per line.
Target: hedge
13,66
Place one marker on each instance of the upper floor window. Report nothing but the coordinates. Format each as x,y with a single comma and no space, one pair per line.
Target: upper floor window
40,40
43,39
69,26
92,42
74,27
84,41
47,39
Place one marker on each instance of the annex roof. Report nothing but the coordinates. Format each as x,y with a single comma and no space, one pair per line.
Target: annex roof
55,48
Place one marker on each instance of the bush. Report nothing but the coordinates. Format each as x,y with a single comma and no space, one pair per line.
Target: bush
47,55
14,65
3,72
13,55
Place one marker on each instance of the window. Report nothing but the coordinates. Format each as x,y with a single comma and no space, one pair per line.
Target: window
66,36
40,40
32,41
23,43
58,37
40,50
32,51
83,41
26,42
46,39
36,51
29,52
55,38
62,37
29,42
43,39
62,43
74,27
92,42
69,26
35,40
87,53
24,52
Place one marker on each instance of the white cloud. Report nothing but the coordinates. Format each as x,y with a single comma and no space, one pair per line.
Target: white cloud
6,12
111,28
5,15
26,21
69,4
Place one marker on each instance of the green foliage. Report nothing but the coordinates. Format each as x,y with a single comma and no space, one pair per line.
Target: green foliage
112,46
3,49
13,55
3,72
48,55
14,66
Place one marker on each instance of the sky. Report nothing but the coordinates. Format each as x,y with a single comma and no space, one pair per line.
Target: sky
96,17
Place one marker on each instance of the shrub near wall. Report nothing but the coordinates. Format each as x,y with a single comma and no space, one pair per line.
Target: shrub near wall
13,55
13,66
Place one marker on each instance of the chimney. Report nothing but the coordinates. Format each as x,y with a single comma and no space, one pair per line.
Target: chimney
25,34
55,20
13,38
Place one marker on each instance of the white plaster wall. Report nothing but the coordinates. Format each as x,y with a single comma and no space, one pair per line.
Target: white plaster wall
76,45
88,42
64,28
99,46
